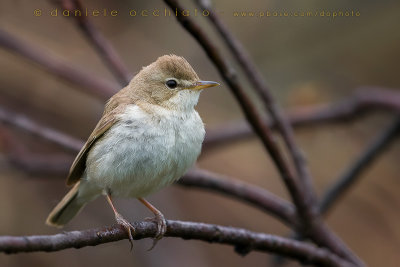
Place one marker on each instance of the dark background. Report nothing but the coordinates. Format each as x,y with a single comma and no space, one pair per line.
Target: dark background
305,61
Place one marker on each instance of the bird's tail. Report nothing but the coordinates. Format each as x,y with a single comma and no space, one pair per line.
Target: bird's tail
68,207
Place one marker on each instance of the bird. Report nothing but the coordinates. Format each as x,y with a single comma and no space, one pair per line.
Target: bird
147,138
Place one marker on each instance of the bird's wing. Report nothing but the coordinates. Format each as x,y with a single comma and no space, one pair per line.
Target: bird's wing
105,123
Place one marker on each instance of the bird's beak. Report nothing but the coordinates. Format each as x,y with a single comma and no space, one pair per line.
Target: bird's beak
203,84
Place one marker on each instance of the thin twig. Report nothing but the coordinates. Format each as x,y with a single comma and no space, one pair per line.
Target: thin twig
243,240
99,42
365,100
256,79
90,84
353,173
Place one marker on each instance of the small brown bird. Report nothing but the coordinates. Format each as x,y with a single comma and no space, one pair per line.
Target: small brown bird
148,137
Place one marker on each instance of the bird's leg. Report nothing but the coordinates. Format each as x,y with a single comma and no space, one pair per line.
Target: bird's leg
121,221
159,218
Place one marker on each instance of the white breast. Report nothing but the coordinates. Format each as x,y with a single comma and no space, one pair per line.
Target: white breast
143,153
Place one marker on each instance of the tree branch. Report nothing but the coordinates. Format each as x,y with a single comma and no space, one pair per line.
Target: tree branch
242,191
256,79
32,163
243,240
21,121
350,176
365,100
99,42
88,83
353,173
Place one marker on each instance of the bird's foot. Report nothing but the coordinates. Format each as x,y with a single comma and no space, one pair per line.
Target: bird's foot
161,228
127,225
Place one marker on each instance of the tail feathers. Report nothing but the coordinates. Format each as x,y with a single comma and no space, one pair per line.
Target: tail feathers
68,207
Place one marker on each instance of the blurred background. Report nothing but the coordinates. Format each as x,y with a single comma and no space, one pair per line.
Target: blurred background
306,61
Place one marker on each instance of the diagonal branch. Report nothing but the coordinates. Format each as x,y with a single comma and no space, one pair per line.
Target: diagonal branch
32,163
99,42
243,240
21,121
256,79
352,175
87,82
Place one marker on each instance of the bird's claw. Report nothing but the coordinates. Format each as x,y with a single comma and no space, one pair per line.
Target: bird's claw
161,228
128,227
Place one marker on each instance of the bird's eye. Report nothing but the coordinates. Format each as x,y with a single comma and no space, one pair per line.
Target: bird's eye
171,84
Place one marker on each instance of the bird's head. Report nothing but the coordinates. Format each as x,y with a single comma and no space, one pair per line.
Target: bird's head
170,82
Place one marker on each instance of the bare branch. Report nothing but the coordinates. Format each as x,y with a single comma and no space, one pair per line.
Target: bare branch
99,42
352,175
32,163
296,190
242,191
88,83
65,141
256,79
243,240
365,100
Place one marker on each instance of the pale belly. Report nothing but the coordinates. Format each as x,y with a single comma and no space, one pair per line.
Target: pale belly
140,155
